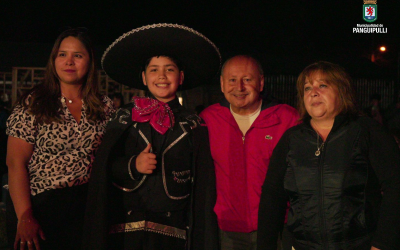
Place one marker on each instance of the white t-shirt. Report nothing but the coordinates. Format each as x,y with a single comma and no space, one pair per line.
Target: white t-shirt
245,121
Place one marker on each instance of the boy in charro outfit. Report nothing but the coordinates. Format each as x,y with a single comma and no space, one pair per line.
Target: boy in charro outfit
153,181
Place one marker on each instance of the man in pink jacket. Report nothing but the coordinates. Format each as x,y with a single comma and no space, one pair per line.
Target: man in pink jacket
243,132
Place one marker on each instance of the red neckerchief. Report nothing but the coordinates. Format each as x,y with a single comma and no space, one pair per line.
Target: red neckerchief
158,113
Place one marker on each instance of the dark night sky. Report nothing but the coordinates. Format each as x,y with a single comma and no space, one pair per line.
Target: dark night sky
286,35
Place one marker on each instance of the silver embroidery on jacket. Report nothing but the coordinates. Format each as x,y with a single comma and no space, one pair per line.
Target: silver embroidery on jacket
182,176
163,163
149,227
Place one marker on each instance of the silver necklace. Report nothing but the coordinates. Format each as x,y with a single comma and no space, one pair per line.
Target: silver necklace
69,100
319,148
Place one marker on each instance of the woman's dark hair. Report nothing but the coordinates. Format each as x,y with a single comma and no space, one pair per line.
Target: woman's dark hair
45,103
334,75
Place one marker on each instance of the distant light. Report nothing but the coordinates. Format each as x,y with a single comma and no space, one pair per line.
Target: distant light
180,100
382,48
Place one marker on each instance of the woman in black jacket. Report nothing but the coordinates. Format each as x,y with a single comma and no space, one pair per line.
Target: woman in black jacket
339,171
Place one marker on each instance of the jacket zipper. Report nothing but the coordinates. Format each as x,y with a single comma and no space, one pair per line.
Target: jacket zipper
322,216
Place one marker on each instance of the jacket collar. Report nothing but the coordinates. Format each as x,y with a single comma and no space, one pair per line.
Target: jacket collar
267,117
267,102
339,121
173,104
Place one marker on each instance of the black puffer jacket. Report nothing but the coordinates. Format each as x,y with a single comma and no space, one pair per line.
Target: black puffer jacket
336,199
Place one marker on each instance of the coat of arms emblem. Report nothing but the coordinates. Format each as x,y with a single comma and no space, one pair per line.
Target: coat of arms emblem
370,11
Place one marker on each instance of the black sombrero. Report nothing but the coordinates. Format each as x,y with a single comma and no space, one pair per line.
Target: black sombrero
124,59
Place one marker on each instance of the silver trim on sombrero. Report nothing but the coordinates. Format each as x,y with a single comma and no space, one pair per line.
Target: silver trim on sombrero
159,25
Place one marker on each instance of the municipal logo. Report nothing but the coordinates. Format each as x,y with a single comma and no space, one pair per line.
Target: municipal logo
370,11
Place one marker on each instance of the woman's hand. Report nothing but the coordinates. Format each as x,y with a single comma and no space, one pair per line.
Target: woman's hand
28,233
19,153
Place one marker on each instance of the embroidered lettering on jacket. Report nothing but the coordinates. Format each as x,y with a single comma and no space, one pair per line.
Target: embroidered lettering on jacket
182,176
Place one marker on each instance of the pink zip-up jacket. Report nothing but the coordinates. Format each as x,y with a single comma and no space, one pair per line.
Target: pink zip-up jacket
241,162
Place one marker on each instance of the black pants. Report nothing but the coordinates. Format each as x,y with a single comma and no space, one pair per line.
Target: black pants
60,213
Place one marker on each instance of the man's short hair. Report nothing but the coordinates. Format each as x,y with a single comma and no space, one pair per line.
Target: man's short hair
259,66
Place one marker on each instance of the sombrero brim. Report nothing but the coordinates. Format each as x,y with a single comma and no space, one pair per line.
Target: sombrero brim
124,59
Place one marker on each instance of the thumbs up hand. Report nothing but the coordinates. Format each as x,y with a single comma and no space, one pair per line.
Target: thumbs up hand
146,161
